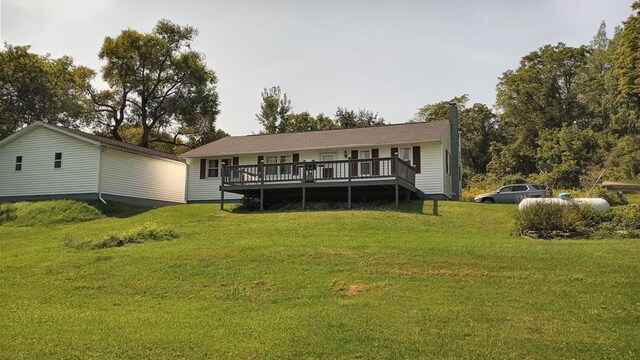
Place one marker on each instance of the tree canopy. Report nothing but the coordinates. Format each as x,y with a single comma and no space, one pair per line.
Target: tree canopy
276,116
40,88
158,84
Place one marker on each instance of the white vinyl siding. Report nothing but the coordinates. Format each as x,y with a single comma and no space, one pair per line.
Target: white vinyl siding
138,176
430,178
78,174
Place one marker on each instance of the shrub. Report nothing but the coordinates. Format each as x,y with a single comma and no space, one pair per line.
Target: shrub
613,198
248,204
7,213
550,220
143,233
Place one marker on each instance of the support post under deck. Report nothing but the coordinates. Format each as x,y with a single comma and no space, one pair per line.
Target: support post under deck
349,183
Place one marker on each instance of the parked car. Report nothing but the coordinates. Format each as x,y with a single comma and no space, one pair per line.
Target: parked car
513,193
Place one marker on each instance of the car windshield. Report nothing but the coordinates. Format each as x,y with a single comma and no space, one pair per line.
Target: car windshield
539,187
505,189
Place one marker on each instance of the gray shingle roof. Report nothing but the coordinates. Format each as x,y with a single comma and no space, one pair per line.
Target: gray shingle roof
119,144
371,136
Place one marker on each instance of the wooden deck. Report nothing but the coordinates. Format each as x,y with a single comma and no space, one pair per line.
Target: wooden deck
323,179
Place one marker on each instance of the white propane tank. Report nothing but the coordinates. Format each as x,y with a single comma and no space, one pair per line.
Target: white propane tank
598,204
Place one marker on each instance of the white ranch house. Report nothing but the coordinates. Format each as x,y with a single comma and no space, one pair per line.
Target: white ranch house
45,161
413,160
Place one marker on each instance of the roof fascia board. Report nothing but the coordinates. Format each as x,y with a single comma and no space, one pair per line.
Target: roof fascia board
315,148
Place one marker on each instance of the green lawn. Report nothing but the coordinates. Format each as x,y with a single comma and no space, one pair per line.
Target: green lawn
328,284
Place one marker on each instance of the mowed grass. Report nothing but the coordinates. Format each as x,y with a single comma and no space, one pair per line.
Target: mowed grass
326,284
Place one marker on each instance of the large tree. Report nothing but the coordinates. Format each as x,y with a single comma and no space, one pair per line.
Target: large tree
626,68
477,128
345,118
39,88
307,122
540,94
158,83
274,110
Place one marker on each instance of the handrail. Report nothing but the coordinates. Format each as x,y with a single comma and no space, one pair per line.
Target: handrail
323,170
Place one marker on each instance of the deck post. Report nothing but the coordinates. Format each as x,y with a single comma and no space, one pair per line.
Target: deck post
304,189
349,182
435,207
222,189
395,159
262,186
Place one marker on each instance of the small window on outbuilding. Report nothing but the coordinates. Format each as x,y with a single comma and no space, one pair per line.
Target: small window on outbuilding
57,161
18,163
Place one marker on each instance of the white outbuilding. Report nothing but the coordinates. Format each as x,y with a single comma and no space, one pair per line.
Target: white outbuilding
44,161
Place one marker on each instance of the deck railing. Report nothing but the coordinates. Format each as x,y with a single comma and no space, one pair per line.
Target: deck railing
319,171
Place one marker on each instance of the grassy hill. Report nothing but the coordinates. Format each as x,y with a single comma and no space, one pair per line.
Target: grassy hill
327,284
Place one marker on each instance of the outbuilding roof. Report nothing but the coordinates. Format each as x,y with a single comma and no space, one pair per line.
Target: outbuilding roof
95,139
357,137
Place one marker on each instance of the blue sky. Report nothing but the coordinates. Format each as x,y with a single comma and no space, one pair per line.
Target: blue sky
390,57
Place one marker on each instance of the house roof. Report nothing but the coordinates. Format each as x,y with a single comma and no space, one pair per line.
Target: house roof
94,139
327,139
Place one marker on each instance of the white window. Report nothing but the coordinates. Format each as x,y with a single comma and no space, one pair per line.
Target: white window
327,169
365,166
18,163
405,154
213,169
272,169
285,169
57,160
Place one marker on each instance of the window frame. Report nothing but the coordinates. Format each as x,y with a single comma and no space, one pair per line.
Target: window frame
409,153
57,160
284,169
18,163
365,166
213,165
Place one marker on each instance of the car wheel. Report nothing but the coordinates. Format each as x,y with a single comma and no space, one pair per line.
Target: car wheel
487,201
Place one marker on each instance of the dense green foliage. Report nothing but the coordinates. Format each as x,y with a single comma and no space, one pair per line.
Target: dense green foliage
40,88
160,92
561,117
328,284
276,116
162,83
49,212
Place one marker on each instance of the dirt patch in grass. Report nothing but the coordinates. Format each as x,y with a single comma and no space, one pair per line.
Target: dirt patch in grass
347,290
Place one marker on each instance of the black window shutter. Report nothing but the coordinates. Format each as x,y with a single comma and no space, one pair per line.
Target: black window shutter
295,158
416,158
354,165
203,168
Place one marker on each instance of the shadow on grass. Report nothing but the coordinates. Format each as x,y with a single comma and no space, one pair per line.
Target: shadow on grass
118,210
414,207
